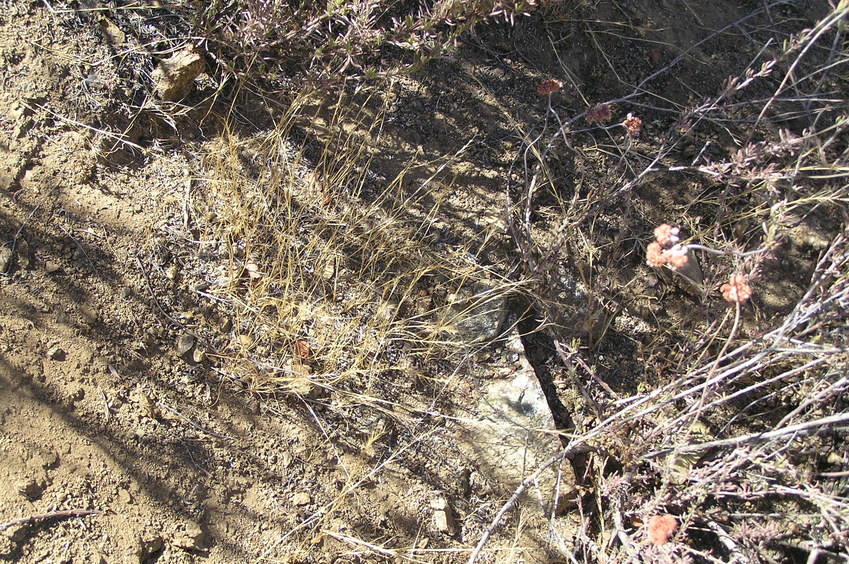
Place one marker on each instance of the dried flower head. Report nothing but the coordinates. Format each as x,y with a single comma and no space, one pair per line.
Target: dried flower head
599,113
548,87
676,257
661,528
633,125
655,256
737,291
303,351
666,235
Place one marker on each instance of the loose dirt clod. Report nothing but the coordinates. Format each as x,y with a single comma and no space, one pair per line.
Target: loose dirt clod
442,518
5,258
301,498
173,78
190,537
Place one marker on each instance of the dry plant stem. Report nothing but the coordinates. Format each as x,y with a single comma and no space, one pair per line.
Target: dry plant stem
117,138
801,429
833,19
79,246
47,516
715,365
727,542
836,388
726,252
527,482
359,542
764,383
203,470
155,300
623,537
193,424
744,366
21,228
564,357
552,515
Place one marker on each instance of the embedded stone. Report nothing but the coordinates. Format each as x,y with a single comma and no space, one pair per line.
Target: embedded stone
174,77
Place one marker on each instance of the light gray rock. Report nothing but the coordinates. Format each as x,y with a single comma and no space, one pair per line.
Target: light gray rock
478,312
184,343
5,259
513,434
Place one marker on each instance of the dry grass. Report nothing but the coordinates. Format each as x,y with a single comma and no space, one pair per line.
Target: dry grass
329,271
342,301
733,419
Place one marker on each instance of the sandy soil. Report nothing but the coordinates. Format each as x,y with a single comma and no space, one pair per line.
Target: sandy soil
133,450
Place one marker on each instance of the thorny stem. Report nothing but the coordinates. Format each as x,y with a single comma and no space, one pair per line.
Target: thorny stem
727,342
698,247
800,429
714,366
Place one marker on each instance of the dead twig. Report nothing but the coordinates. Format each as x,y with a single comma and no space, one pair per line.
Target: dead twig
515,497
156,301
195,425
727,541
801,429
48,516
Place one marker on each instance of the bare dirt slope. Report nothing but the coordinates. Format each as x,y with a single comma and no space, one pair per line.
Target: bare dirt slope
125,436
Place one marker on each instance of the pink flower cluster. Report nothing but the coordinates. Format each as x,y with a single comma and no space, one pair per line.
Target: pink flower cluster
665,250
549,87
599,113
737,291
633,125
661,528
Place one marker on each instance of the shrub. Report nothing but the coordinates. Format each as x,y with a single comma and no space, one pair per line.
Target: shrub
362,38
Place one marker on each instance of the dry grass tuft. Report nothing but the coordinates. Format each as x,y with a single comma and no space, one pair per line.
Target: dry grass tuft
321,258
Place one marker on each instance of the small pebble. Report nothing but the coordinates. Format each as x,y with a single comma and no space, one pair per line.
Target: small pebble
301,498
198,355
56,353
185,343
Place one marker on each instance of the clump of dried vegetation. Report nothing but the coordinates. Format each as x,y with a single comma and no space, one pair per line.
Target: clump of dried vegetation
727,440
365,39
333,273
734,448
